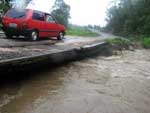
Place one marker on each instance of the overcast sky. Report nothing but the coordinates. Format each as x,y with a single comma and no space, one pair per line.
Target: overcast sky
84,12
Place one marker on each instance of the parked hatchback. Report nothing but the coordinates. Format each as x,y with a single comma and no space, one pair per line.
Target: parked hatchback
31,23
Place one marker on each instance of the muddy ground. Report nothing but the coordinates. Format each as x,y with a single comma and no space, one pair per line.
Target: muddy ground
114,84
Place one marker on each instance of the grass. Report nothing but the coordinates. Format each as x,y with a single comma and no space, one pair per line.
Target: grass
142,41
81,32
118,41
120,44
146,42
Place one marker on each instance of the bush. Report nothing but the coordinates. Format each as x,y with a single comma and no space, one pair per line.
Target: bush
4,7
146,42
81,32
119,43
141,41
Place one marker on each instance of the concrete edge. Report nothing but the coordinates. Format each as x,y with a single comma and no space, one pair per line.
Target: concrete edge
24,63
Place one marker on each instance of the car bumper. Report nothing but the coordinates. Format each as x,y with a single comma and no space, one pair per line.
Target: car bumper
17,32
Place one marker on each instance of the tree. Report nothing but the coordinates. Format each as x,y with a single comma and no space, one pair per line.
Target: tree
129,17
4,5
61,12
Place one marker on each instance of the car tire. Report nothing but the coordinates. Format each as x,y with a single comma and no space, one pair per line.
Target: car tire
34,35
60,36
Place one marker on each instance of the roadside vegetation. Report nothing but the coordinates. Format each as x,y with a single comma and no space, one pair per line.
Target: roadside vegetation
146,42
119,41
81,32
142,41
130,19
120,44
4,6
127,43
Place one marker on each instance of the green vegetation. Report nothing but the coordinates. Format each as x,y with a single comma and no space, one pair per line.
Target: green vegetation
136,42
146,42
120,41
4,6
119,44
81,32
61,12
129,17
142,41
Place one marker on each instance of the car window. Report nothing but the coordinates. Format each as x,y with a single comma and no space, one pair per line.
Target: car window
14,13
49,19
38,16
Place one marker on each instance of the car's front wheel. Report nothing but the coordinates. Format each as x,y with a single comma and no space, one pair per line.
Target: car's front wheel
34,35
60,36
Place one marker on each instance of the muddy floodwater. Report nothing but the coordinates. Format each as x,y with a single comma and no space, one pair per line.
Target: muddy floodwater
115,84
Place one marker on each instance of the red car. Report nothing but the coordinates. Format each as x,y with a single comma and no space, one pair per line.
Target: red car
31,23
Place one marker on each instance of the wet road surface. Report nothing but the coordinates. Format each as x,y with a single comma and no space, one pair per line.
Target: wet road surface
21,47
115,84
23,42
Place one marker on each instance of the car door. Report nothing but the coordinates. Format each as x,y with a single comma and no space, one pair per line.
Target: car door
38,22
51,25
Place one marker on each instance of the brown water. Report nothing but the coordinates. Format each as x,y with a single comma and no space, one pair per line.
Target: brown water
116,84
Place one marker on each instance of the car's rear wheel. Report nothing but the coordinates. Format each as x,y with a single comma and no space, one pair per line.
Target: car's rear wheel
60,36
34,35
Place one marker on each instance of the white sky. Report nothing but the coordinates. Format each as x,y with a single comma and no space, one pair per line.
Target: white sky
84,12
40,5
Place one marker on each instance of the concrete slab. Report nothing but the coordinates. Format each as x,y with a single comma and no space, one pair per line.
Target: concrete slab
21,54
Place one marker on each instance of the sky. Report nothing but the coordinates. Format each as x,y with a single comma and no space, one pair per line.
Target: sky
39,5
84,12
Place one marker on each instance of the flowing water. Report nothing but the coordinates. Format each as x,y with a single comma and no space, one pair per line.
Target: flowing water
115,84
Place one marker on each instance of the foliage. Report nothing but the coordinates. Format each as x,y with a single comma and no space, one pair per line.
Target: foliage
4,6
81,32
140,41
128,17
120,41
61,12
146,42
